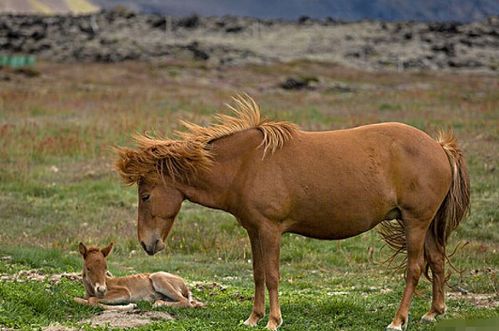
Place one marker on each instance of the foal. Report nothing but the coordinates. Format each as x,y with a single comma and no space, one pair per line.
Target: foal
162,288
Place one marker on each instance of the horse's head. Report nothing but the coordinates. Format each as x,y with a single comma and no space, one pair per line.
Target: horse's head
95,268
159,203
159,167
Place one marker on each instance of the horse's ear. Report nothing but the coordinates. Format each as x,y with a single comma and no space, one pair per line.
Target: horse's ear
106,250
83,249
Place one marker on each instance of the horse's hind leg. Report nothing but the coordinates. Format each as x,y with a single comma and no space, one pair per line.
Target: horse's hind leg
435,255
415,231
163,286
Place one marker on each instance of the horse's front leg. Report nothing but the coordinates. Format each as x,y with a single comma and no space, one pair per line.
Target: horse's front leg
259,278
270,240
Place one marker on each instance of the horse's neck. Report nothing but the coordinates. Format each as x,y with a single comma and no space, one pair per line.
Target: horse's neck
214,188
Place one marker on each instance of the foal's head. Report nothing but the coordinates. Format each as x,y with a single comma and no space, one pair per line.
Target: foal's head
95,268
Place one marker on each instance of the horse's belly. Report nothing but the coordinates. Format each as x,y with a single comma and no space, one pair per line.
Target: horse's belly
332,229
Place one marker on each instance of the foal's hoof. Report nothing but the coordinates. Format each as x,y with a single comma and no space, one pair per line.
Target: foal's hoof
197,304
128,307
80,301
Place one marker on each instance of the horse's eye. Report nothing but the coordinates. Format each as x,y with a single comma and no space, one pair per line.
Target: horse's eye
146,197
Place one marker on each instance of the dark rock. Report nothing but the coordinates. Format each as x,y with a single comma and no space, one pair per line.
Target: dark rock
298,83
190,22
447,48
330,21
416,63
197,53
467,63
363,52
408,35
234,29
303,19
158,22
444,27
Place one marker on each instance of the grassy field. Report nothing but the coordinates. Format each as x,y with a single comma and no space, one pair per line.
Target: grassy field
57,188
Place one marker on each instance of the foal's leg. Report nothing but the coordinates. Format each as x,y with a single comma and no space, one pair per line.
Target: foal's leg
270,239
415,236
435,253
82,301
259,278
163,286
114,296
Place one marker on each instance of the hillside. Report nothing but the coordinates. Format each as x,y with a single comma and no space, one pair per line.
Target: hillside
48,7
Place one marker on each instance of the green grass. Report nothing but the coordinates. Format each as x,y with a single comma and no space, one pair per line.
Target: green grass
57,188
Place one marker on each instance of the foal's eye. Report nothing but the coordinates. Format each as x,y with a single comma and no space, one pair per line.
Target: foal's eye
146,197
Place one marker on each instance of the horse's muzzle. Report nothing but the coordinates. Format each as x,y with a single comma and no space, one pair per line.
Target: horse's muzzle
157,246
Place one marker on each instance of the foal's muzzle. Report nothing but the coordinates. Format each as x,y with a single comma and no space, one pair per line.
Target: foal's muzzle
100,290
154,248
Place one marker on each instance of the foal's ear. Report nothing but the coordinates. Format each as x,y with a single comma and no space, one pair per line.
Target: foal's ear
106,250
83,249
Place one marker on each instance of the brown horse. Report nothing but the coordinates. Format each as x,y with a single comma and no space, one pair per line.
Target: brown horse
275,178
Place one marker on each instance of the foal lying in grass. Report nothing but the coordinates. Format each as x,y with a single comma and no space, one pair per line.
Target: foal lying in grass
162,288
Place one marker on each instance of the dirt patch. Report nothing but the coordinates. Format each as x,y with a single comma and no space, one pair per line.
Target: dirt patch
116,319
483,300
129,319
58,327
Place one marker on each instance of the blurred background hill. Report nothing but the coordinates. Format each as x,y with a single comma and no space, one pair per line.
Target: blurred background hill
349,10
48,7
391,10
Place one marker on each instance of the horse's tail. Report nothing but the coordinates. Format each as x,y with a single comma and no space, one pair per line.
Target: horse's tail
452,210
457,202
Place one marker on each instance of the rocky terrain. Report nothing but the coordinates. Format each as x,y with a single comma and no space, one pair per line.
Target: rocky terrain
119,35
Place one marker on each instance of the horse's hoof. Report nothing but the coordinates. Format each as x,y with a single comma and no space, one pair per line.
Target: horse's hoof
428,318
250,322
253,319
272,325
402,327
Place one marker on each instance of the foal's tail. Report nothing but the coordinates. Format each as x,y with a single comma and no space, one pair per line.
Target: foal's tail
457,202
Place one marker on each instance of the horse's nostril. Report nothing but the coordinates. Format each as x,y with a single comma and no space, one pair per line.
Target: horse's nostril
148,251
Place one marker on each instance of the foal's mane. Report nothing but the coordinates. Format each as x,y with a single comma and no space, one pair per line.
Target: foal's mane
182,158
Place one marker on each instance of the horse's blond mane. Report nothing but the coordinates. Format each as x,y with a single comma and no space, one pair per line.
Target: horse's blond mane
183,158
